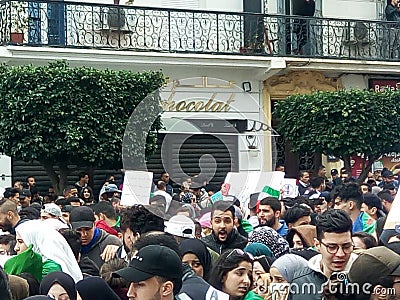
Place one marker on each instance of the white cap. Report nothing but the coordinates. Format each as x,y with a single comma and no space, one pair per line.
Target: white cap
180,225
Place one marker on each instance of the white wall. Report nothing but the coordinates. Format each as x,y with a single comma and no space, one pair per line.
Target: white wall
349,9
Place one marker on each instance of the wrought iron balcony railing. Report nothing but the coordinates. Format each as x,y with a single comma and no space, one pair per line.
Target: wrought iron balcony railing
88,25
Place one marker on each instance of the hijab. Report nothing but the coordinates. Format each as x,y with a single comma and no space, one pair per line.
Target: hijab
258,249
50,244
62,279
269,237
288,264
199,249
95,288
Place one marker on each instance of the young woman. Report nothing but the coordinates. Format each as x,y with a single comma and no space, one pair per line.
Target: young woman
232,274
59,285
51,245
87,195
194,253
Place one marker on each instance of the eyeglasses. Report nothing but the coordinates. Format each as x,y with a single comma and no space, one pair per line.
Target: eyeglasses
334,248
240,252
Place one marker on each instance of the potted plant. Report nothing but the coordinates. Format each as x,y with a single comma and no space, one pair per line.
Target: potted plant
19,21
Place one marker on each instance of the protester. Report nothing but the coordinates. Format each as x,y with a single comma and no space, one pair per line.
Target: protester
118,285
269,237
335,246
95,288
195,254
297,215
47,242
224,235
155,272
269,213
363,240
283,271
59,285
4,286
86,195
94,240
302,237
233,273
304,182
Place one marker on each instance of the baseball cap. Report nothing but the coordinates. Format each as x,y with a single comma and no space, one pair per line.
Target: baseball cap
180,225
52,209
387,174
81,216
150,261
373,264
334,172
24,193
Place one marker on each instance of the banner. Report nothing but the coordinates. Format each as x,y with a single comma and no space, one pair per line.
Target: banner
136,188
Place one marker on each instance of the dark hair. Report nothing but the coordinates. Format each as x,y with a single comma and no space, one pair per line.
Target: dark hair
161,184
73,239
157,238
105,208
334,220
91,193
368,239
223,206
316,181
321,167
296,212
301,173
82,175
31,176
9,239
111,266
351,192
225,263
69,188
274,203
33,283
386,195
10,192
142,220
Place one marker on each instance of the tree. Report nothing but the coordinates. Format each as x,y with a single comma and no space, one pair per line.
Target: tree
68,118
342,124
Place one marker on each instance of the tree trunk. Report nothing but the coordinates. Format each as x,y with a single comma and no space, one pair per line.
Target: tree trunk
366,169
347,164
49,168
64,172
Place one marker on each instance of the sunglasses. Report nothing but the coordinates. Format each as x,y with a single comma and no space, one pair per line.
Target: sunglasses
240,253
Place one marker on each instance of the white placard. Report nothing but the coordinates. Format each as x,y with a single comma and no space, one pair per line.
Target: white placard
290,188
393,217
243,184
136,187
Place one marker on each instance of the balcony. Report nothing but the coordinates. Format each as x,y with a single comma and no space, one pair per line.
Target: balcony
100,26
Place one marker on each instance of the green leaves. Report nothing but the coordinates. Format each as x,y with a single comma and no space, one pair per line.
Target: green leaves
341,123
69,115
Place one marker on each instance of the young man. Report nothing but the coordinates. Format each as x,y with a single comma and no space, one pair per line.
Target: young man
224,235
9,217
94,240
269,212
155,272
165,178
304,182
350,199
297,215
335,246
83,180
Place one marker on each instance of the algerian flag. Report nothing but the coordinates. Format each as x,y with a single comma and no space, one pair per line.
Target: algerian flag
273,184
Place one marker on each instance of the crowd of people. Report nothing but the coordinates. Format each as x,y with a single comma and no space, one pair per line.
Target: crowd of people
329,242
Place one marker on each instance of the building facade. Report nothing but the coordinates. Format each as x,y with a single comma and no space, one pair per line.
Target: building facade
235,57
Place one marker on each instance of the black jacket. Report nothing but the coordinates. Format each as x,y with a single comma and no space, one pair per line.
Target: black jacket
234,240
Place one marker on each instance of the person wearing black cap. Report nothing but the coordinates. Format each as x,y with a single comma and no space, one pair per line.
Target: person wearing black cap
387,178
336,180
155,272
94,240
25,198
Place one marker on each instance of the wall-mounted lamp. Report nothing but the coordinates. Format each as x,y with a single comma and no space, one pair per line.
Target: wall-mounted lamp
251,142
246,85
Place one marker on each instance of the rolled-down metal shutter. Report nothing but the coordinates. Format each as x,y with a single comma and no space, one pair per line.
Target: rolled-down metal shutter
185,152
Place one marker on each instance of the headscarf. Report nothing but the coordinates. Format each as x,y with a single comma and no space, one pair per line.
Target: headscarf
62,279
198,248
50,244
269,237
19,287
95,288
288,264
307,233
39,297
258,249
